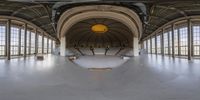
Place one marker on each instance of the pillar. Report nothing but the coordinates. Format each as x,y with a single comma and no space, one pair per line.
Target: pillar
192,42
162,43
173,52
52,46
156,44
62,46
25,39
8,38
135,46
189,39
179,49
36,41
151,45
42,43
147,46
168,36
29,47
19,48
47,44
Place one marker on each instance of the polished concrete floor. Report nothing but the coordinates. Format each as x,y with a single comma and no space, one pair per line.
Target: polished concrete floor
147,77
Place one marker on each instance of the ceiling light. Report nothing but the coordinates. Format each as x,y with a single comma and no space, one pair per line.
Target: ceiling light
99,28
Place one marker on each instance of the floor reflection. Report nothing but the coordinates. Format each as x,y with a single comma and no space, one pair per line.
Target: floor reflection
100,61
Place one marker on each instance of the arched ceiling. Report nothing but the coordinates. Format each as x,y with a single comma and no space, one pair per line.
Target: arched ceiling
161,13
37,13
81,33
153,13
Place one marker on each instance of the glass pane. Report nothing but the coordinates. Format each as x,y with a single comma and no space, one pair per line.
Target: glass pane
2,40
14,41
183,40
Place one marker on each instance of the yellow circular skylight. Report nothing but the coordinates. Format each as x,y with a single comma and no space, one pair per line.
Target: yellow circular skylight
99,28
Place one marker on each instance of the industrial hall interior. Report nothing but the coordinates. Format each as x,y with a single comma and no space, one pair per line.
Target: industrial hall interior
99,49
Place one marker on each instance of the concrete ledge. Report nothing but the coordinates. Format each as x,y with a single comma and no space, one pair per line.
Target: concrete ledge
72,57
99,69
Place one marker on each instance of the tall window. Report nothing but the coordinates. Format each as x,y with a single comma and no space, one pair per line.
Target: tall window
166,43
183,41
144,44
153,44
170,42
196,40
28,43
2,40
54,45
149,46
32,42
22,41
45,45
158,38
176,42
39,44
50,45
14,41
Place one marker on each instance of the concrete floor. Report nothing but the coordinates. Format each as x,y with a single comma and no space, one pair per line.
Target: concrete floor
141,78
100,61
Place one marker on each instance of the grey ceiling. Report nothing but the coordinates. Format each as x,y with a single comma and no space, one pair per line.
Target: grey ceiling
153,13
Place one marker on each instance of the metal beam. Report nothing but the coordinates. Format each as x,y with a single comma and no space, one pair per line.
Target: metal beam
24,8
41,17
161,18
173,8
50,18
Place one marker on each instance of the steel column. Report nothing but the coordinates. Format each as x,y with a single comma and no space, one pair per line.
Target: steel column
47,44
189,39
42,43
25,39
36,41
146,46
8,38
173,53
168,36
156,44
29,47
162,43
51,46
19,48
150,45
179,49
